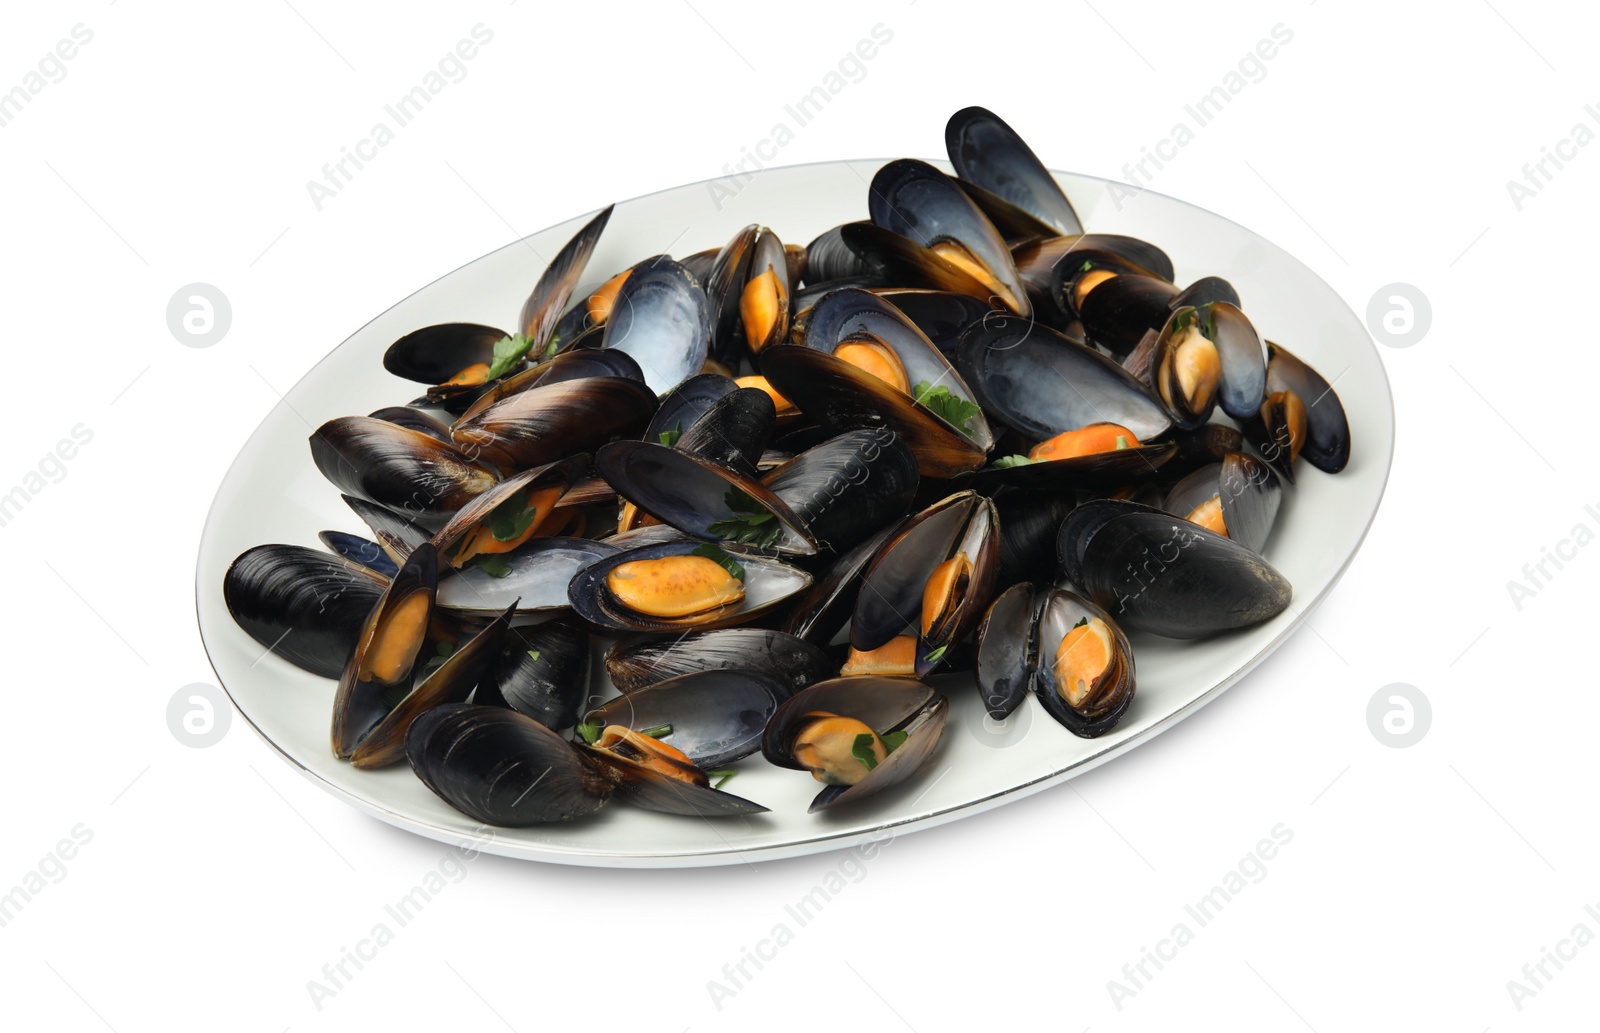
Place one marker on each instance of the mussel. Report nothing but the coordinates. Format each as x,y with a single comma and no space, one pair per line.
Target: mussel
857,736
793,661
682,586
1237,498
304,605
989,154
403,470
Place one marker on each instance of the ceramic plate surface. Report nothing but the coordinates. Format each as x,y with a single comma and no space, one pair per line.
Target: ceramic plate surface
273,493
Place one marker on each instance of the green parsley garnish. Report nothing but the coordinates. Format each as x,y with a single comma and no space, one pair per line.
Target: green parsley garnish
555,345
511,518
711,552
589,731
751,523
508,351
491,564
935,656
1082,621
1086,266
721,775
894,740
670,437
1122,441
861,750
1007,462
658,732
951,408
533,654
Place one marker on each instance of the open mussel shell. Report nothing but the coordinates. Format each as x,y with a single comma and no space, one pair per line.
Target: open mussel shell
655,791
1206,290
944,557
662,319
1008,649
685,404
820,614
542,671
793,662
1059,272
1201,446
1327,444
989,153
733,431
766,298
901,261
413,418
849,486
450,682
724,281
1244,492
715,717
502,768
403,470
1159,573
1109,694
1042,384
380,666
396,535
702,498
302,604
545,423
1097,469
767,584
882,704
830,258
917,201
940,315
536,578
446,357
577,364
359,550
843,398
542,309
500,519
1119,311
851,316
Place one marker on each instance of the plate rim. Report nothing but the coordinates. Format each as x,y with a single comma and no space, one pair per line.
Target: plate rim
824,840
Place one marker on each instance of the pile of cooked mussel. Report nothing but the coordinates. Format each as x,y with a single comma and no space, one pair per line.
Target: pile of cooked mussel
789,497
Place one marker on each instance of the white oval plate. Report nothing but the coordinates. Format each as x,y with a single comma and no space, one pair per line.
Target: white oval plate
980,765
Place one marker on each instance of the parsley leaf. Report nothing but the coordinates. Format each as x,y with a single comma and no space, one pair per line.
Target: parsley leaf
751,523
951,408
862,750
508,351
511,518
658,732
711,552
589,731
1082,622
935,656
1007,462
721,775
1086,266
491,564
555,346
1122,441
894,740
670,437
533,654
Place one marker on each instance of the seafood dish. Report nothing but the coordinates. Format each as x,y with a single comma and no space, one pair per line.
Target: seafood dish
784,500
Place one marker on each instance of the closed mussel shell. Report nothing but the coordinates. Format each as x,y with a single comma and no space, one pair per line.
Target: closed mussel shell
545,423
502,768
384,463
542,671
1008,649
302,604
849,486
988,152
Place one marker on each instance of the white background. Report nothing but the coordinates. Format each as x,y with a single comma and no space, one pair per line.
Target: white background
1377,147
